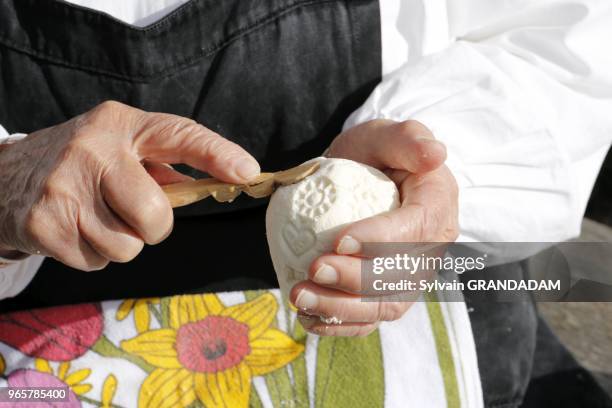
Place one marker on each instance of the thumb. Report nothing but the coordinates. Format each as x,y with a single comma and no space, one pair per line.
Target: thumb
386,144
405,224
173,139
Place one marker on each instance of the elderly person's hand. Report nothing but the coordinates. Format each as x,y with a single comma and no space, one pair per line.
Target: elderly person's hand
408,153
87,191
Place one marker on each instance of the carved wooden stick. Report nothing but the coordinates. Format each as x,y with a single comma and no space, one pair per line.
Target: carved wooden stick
188,192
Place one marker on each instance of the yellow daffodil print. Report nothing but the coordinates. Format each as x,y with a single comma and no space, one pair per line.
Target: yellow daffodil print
109,388
74,380
210,352
142,317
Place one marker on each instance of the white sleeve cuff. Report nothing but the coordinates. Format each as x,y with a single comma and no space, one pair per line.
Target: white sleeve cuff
16,276
5,137
8,139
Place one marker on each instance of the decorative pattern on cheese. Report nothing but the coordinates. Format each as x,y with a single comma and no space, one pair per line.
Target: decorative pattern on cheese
304,219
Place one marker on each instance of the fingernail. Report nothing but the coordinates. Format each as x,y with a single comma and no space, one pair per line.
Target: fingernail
348,246
308,321
421,138
429,140
248,169
306,300
325,275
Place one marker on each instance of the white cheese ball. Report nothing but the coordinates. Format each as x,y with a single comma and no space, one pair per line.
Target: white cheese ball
304,219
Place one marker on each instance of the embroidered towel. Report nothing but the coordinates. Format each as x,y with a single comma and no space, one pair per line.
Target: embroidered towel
236,349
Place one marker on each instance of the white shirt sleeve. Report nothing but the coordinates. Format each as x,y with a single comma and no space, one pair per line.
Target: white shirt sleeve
16,276
3,133
521,94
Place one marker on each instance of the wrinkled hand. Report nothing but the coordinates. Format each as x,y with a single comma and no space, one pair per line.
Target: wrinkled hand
87,191
408,153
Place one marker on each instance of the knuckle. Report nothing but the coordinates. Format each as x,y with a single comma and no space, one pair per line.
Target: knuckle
102,116
52,186
99,114
108,107
411,128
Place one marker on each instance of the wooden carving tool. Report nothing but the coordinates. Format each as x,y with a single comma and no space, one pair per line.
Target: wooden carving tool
188,192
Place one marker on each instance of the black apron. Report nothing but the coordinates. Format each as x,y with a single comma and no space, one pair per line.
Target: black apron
278,77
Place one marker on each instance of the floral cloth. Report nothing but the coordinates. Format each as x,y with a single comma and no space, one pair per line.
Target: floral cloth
234,349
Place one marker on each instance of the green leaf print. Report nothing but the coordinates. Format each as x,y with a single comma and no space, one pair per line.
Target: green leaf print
350,372
300,377
281,390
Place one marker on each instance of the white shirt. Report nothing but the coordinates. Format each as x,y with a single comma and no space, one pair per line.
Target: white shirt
520,91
